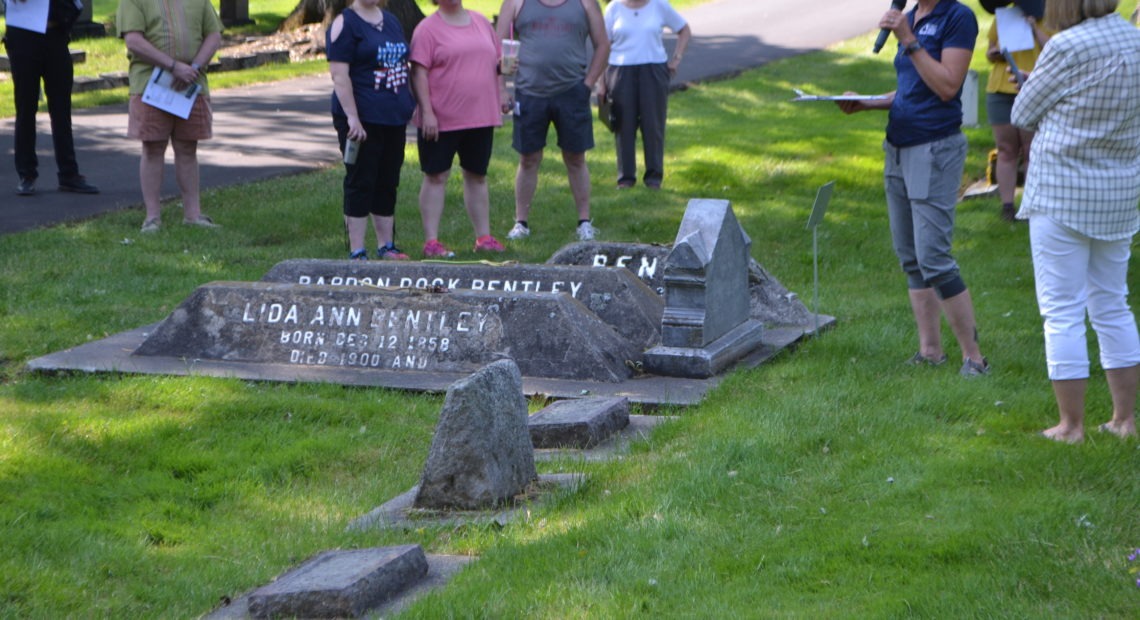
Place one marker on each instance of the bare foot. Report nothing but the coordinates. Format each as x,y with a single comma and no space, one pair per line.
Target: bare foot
1123,431
1064,434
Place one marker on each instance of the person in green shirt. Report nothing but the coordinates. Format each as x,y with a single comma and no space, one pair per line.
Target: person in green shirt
179,36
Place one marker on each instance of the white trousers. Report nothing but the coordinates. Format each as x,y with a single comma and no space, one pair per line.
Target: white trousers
1076,275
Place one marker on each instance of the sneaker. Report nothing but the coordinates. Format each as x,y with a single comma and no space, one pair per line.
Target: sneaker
358,255
26,186
970,368
390,252
520,231
77,185
202,221
1008,213
920,360
488,244
586,231
435,249
151,226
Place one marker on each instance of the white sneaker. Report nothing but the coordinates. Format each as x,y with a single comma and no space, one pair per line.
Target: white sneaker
586,231
518,232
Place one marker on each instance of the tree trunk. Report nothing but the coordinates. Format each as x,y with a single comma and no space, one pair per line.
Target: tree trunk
323,11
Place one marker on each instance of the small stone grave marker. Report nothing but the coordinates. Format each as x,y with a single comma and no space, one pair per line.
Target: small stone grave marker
337,584
578,423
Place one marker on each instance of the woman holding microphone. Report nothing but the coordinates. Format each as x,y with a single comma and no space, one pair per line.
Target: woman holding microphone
925,156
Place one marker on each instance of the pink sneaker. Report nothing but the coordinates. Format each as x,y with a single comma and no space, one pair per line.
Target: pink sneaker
488,244
435,249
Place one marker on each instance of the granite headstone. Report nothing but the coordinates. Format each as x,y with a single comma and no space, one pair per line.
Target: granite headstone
481,455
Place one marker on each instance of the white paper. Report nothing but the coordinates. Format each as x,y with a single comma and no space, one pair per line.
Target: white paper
28,14
802,96
1014,33
160,93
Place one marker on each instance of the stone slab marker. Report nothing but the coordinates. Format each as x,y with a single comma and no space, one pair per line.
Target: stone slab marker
338,584
706,324
617,296
392,330
771,303
578,423
481,455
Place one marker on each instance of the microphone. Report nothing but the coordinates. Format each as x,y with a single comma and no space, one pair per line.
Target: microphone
886,32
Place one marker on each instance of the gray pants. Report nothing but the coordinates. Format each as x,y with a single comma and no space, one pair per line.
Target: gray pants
640,95
922,184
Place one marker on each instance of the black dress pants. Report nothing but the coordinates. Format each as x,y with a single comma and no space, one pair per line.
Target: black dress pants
37,58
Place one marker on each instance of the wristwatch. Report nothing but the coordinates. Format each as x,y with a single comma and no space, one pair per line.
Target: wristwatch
912,47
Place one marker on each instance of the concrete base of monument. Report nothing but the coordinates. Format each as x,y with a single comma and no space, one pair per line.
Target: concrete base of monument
441,568
400,512
708,360
114,354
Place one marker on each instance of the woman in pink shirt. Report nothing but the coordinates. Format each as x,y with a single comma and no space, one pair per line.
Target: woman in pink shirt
455,55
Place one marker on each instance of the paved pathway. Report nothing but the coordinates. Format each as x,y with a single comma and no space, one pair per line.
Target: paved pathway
284,127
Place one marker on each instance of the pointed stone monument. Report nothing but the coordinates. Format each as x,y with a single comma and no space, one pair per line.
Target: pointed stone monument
706,324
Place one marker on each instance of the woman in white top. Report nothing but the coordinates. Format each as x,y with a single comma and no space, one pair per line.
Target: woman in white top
638,81
1083,100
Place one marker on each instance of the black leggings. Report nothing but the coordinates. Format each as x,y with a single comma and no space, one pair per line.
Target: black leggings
370,184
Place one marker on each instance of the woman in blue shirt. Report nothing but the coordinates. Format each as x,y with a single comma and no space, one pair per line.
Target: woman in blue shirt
925,157
371,105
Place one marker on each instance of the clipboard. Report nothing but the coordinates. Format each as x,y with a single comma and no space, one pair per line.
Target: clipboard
802,96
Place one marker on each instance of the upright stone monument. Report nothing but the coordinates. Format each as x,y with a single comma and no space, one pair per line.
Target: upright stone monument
481,455
706,324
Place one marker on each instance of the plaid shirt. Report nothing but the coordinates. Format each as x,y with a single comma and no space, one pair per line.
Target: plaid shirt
1083,100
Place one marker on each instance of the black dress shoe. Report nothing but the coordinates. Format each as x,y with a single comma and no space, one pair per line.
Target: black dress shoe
78,185
26,187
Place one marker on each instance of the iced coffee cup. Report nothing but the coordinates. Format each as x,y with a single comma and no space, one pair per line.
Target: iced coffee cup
509,63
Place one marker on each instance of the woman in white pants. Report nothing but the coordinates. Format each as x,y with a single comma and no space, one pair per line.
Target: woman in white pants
1081,195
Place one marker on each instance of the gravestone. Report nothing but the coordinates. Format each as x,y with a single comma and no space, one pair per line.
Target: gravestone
615,295
404,331
771,303
578,423
338,584
481,455
706,324
235,12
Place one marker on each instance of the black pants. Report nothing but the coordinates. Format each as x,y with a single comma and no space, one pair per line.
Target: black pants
36,57
640,95
370,184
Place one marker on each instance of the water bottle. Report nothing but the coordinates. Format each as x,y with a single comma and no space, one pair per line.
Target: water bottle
351,150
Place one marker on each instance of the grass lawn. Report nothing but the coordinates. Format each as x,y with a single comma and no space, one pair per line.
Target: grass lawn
835,481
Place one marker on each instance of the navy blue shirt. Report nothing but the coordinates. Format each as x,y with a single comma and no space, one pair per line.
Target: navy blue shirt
918,115
377,67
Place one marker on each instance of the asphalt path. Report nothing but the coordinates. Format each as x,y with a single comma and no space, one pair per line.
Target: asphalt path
284,127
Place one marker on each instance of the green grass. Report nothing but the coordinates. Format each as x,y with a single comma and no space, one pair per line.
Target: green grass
833,481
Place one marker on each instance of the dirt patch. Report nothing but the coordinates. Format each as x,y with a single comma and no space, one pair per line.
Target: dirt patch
304,43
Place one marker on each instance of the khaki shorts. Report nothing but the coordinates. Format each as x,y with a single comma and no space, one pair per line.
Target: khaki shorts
149,124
